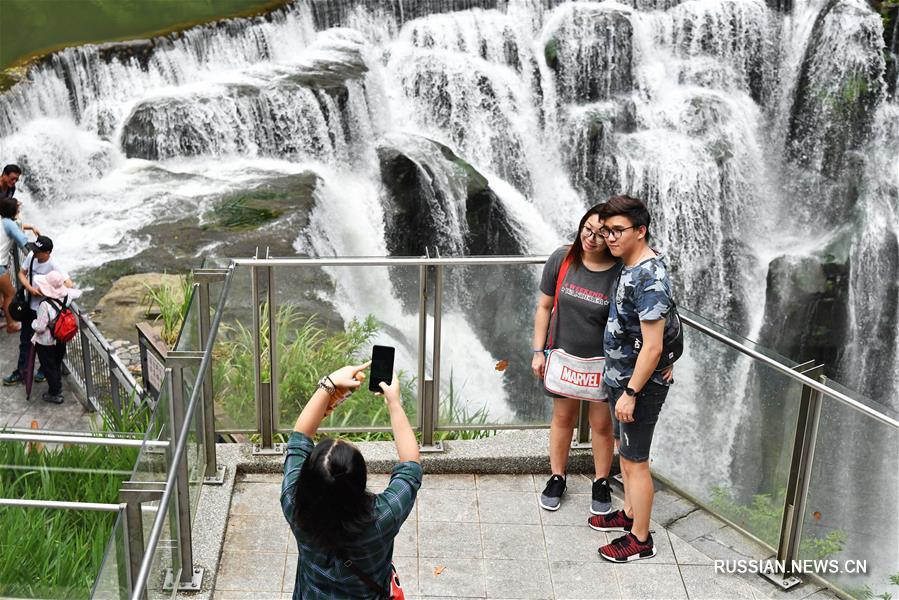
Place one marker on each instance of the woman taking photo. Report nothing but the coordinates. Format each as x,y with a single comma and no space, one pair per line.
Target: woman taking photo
576,326
345,533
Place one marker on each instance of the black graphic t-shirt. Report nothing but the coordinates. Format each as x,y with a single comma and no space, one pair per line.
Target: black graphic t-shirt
583,305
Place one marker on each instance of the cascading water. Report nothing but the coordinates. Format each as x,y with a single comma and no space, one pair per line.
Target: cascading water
760,137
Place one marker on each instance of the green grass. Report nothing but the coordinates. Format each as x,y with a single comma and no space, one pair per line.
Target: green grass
58,553
31,27
170,303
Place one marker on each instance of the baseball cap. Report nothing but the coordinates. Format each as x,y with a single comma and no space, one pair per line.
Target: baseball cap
41,244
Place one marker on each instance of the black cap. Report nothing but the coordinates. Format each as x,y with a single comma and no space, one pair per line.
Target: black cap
42,244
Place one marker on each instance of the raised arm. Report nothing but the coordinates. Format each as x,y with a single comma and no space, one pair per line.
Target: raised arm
406,444
341,383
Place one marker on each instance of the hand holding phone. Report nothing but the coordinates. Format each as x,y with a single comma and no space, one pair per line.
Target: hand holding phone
381,367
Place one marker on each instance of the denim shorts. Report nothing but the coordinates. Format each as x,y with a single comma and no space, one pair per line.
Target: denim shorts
636,438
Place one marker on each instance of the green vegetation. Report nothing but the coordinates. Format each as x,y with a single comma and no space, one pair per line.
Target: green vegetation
170,303
246,212
58,553
551,53
306,351
763,516
866,593
30,28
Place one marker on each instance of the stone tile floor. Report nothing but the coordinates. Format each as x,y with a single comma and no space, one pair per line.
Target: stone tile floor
487,538
15,411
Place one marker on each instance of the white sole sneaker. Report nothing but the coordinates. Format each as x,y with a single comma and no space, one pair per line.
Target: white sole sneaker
545,507
631,558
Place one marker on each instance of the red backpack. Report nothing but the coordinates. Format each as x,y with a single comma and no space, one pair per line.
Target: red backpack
64,325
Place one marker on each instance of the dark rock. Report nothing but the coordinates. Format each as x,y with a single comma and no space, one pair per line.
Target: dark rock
590,49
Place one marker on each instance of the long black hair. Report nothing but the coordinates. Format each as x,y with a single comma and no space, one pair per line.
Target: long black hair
576,251
9,207
332,505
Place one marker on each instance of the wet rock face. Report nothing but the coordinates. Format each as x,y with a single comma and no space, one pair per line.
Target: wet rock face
838,90
298,111
438,200
806,308
590,48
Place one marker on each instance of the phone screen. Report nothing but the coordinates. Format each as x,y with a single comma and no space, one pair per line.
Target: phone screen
381,367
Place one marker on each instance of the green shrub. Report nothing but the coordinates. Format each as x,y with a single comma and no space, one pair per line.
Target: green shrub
763,517
172,304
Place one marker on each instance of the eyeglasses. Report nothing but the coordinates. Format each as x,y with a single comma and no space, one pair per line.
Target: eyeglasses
614,234
588,233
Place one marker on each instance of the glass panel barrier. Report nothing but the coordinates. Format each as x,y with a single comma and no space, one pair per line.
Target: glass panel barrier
52,554
852,509
233,383
112,582
189,336
725,434
195,451
327,318
485,351
166,556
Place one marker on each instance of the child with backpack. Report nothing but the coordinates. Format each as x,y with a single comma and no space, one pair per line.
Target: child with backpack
55,325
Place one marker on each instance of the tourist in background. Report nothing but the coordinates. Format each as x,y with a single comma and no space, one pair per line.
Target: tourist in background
8,180
11,237
577,327
38,262
641,300
336,521
55,296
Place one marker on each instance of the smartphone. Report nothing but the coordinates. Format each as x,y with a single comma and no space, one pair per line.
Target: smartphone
381,367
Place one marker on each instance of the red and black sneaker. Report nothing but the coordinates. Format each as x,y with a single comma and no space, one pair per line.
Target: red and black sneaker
628,548
614,521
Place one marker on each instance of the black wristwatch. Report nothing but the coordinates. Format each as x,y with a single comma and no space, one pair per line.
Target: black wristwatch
630,392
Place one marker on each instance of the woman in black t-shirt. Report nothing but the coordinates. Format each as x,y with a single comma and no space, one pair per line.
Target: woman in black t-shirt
577,326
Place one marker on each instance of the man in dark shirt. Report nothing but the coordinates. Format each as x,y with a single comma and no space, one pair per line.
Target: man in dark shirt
633,342
8,180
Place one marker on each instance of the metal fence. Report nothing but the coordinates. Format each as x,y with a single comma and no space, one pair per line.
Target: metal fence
191,427
101,378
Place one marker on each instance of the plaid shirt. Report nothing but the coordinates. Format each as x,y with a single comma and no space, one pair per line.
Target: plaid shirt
321,575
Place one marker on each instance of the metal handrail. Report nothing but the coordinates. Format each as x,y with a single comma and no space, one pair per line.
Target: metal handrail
182,436
143,574
799,377
58,504
534,260
39,436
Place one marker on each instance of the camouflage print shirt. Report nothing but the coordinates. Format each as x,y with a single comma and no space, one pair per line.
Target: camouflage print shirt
642,293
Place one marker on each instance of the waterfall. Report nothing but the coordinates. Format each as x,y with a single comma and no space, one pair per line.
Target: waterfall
761,136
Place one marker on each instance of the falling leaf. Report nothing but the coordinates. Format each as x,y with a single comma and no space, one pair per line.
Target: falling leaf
501,365
817,515
438,569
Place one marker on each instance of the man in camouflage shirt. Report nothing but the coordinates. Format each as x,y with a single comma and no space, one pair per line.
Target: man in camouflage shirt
633,346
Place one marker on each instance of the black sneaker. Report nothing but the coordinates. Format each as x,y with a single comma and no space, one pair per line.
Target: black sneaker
15,378
551,497
53,398
602,497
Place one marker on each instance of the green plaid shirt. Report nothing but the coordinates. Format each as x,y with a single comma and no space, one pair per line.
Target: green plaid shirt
321,575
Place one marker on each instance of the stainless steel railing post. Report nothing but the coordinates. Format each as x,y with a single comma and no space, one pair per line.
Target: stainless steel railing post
264,303
214,474
798,480
430,413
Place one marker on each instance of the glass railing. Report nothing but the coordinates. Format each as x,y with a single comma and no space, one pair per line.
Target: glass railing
852,514
725,437
725,434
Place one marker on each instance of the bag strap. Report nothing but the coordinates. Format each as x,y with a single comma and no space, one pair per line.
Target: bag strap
31,274
380,590
560,278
